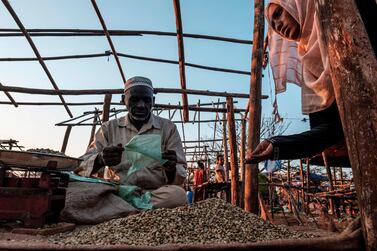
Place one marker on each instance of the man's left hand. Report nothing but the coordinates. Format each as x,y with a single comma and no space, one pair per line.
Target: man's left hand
171,158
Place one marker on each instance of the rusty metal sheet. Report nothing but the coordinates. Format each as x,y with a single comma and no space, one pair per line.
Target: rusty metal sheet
38,160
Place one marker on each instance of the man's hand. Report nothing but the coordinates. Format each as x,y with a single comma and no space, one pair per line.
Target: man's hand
171,158
112,155
263,151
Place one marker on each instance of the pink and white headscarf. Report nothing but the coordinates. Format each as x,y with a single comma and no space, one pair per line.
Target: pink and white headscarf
303,61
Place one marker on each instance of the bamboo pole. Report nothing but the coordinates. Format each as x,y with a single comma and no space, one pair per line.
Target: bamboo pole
36,52
233,152
106,32
181,56
225,148
66,137
119,91
251,174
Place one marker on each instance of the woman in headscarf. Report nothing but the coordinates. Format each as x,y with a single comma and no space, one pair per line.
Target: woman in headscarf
297,56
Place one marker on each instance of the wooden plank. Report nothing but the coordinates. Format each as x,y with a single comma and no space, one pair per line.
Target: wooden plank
251,174
353,71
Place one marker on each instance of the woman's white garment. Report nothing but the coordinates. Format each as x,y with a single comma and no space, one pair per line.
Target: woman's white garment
303,62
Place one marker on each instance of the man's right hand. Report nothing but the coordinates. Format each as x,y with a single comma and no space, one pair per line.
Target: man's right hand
111,155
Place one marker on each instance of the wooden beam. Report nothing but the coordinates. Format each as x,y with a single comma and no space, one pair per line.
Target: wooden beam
181,57
203,140
307,185
66,137
10,97
36,52
251,174
329,175
233,152
106,108
93,131
108,53
93,32
225,147
120,91
242,160
106,32
353,71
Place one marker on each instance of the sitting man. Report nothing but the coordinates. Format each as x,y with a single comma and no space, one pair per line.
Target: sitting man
106,156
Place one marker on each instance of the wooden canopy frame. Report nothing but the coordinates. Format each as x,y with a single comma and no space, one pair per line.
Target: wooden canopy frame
345,55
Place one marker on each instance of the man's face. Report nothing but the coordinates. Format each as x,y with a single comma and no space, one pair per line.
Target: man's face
220,160
139,102
282,22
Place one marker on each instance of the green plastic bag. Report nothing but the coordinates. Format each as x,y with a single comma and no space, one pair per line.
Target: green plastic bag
132,194
142,151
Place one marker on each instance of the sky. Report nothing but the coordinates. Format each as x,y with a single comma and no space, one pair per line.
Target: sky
34,126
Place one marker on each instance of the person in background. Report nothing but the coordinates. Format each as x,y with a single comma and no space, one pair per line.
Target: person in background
297,56
199,175
220,171
199,182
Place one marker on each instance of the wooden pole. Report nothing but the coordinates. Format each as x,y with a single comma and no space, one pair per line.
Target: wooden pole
307,185
251,174
302,183
10,97
107,34
225,148
199,129
233,151
93,131
66,137
341,175
353,67
183,128
181,54
120,91
242,161
289,183
36,52
328,170
106,108
94,32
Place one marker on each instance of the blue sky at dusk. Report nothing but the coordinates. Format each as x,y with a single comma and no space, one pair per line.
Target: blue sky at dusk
34,126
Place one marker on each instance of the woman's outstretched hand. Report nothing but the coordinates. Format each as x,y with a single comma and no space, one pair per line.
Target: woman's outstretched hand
263,151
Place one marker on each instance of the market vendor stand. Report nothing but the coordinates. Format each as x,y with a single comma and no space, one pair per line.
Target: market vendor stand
350,53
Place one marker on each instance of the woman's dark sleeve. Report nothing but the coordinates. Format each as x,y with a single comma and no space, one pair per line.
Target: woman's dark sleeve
326,130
